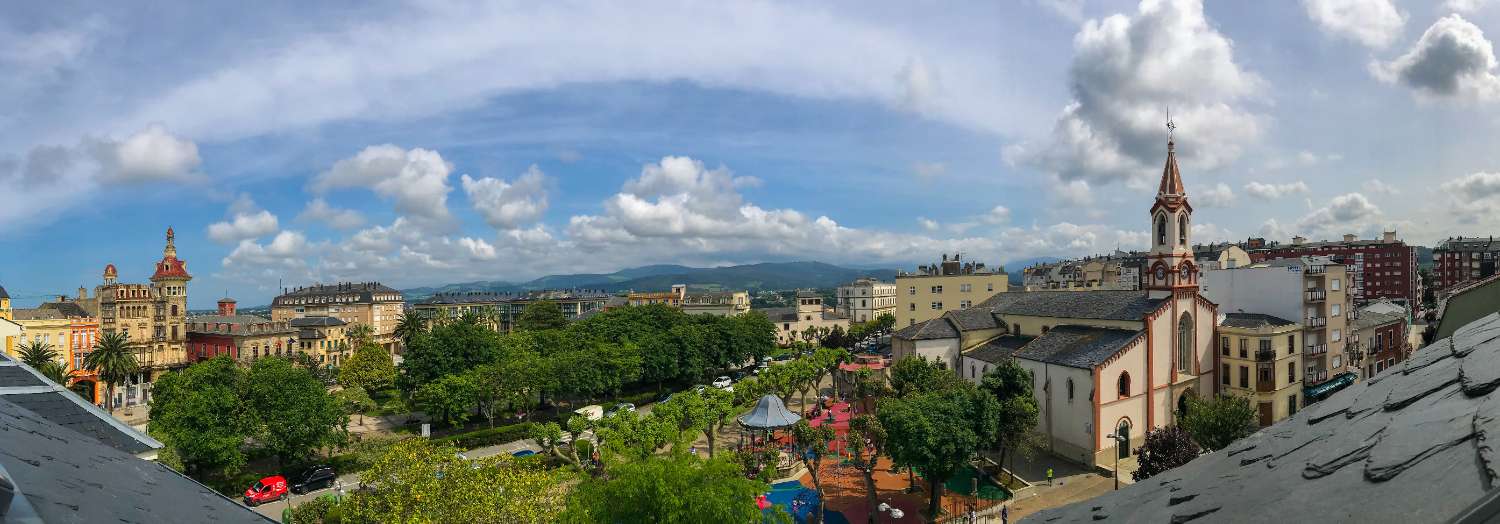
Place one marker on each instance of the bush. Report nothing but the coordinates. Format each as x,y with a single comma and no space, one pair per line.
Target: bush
489,437
639,399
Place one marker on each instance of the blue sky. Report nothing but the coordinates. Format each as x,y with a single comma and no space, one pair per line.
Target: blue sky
429,142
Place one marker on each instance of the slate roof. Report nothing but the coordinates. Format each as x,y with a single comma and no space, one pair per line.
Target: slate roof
1254,321
780,314
64,477
1412,444
1077,346
1369,319
1094,305
37,314
27,388
363,291
998,349
928,330
973,318
3,294
315,322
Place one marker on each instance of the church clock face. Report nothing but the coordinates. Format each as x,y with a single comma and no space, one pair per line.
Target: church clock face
1161,273
1185,273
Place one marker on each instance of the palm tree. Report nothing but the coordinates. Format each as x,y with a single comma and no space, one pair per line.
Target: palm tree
54,371
113,360
362,334
37,353
411,324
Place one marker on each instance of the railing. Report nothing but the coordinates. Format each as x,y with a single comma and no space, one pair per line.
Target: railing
1316,295
1316,349
1314,378
1265,355
1268,385
1316,270
1316,321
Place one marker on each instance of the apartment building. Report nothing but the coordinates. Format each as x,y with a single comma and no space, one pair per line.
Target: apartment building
70,329
1260,359
1119,271
356,303
865,299
504,308
952,285
717,303
792,322
1463,259
151,316
1310,290
240,337
672,298
1378,340
1377,268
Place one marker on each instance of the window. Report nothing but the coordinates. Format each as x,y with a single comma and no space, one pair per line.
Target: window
1182,230
1265,346
1263,375
1244,347
1291,372
1337,334
1224,346
1070,389
1224,372
1335,284
989,287
971,371
964,304
1161,230
1245,377
1185,343
937,306
911,290
913,306
1124,384
1337,310
1291,404
965,288
1291,344
937,289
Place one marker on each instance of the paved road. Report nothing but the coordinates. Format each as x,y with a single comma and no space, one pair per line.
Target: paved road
349,481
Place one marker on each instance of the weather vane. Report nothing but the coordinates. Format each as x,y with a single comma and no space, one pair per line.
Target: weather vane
1170,126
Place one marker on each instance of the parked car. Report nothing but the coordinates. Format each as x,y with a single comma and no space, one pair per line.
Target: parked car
313,479
738,376
591,412
665,398
722,382
621,407
269,489
520,453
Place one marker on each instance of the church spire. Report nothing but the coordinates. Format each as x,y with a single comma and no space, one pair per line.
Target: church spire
1171,179
171,250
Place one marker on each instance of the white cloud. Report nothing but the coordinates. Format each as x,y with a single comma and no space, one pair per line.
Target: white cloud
150,155
1465,6
1076,193
1204,233
1275,191
60,176
928,224
1373,23
285,256
1070,10
1474,198
416,179
1347,213
509,205
243,226
320,211
478,248
1126,73
929,170
1272,230
1219,195
1453,59
997,215
1377,187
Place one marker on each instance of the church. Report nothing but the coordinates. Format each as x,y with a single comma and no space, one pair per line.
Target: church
1105,362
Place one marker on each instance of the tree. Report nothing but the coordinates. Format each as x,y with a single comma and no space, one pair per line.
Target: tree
937,431
915,375
884,323
869,387
295,416
54,371
200,413
324,373
355,400
409,325
811,444
420,481
837,338
635,437
549,437
866,443
447,349
704,412
362,334
1164,449
113,360
667,490
37,353
448,400
1010,385
541,315
1216,423
370,368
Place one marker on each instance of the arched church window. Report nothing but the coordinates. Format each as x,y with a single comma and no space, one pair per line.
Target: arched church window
1124,384
1185,343
1161,230
1182,230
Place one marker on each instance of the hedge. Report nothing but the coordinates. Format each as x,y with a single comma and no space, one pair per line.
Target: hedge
489,437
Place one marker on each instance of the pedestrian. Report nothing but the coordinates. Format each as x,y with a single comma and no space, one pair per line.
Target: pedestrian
1049,476
1005,514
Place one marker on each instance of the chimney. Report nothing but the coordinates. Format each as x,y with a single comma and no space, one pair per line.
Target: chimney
226,307
83,294
1388,236
1350,237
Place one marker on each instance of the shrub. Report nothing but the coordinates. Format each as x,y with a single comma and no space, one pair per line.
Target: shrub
489,437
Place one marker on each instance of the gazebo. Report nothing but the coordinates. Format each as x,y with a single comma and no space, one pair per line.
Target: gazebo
769,415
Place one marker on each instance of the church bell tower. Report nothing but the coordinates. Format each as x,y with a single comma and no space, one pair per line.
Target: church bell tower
1169,265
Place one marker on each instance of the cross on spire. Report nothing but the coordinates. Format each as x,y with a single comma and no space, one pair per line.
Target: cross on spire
1171,126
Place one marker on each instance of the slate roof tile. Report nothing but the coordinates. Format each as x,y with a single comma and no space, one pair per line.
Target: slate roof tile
1077,346
1094,305
1415,445
928,330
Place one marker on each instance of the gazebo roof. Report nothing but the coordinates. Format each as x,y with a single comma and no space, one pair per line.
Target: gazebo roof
769,413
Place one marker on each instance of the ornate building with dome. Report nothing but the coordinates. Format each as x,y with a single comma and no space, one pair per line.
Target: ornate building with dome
153,316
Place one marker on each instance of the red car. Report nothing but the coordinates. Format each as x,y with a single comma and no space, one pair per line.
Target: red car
268,489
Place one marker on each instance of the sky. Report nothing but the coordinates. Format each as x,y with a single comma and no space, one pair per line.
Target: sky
420,143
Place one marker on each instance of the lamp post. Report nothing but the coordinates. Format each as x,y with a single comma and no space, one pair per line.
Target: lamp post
1120,440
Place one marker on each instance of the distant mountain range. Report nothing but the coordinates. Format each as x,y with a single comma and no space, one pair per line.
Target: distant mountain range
752,277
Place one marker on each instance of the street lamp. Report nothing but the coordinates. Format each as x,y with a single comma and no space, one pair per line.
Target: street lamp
1120,440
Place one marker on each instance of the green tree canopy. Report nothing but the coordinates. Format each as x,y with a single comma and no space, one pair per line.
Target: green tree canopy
1010,385
199,412
295,414
811,445
937,431
36,353
370,368
676,489
1214,424
447,349
419,481
915,375
541,315
113,359
449,400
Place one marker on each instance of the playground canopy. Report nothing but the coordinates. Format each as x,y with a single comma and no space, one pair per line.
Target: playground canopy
769,413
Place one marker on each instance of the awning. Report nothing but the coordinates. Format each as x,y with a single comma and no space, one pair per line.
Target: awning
1318,392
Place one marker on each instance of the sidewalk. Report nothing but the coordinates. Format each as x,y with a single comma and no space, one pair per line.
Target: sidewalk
1071,483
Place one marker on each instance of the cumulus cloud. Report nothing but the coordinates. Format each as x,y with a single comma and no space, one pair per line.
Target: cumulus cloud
1272,230
1377,187
509,205
1452,60
416,179
1274,191
1220,195
320,211
285,256
997,215
1076,193
1126,72
150,155
1373,23
1473,198
1349,212
60,175
245,222
928,224
1464,6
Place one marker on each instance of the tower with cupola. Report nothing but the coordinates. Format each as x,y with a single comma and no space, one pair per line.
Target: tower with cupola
1169,264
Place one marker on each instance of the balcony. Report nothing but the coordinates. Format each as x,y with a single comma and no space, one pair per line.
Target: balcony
1316,349
1316,295
1316,270
1316,322
1264,355
1315,377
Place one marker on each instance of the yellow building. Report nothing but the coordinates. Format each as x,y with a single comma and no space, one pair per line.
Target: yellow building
10,332
722,304
1259,359
324,338
152,316
792,322
953,285
672,298
363,303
